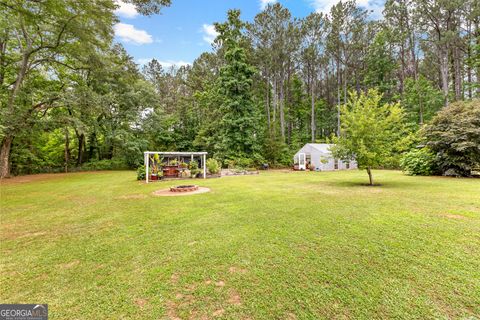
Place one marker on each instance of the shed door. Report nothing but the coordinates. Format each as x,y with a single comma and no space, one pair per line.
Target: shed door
301,161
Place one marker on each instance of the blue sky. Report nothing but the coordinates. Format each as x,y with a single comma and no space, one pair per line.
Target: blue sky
184,30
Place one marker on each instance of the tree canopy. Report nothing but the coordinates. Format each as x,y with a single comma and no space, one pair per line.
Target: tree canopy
370,131
72,98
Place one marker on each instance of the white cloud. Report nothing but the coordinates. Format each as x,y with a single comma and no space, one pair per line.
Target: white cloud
126,10
128,33
265,3
165,63
376,6
209,33
324,5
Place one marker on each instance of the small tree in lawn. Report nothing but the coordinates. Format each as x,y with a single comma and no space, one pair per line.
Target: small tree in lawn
370,131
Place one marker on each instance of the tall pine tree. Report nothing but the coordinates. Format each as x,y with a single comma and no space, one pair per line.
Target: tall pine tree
239,117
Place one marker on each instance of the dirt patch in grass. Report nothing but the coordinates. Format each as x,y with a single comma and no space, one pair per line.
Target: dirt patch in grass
237,270
43,177
453,216
70,265
141,302
133,196
168,193
220,283
218,313
9,233
179,296
174,278
33,178
191,287
234,298
33,234
290,316
172,310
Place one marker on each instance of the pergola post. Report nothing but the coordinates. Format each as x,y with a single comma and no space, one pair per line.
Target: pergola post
204,162
147,165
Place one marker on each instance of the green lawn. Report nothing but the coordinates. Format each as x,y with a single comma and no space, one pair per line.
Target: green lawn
274,246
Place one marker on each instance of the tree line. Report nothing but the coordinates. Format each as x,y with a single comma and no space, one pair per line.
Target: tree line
73,98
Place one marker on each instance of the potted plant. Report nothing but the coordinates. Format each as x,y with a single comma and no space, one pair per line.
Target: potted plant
153,177
195,171
160,175
156,168
154,174
185,173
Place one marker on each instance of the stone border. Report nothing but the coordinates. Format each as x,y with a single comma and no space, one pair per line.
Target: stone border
168,193
184,188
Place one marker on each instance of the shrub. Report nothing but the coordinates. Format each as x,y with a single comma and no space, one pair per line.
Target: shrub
213,166
245,163
106,164
141,173
194,170
193,165
419,162
454,136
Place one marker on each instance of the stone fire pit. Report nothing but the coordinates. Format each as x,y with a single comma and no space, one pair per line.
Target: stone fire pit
184,188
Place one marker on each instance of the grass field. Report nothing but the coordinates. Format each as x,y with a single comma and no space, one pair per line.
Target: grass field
274,246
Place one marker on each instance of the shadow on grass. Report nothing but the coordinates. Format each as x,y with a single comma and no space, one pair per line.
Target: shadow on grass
384,184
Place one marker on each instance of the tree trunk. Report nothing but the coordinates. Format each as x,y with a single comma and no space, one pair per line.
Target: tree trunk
67,149
267,107
338,97
370,177
345,84
458,73
402,69
469,64
282,107
312,121
5,156
477,36
444,72
275,99
421,112
81,148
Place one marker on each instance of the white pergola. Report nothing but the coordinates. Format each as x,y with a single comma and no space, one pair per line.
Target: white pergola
147,154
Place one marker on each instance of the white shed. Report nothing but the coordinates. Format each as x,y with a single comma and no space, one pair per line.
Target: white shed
319,156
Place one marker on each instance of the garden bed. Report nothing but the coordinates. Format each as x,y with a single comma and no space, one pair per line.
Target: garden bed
238,172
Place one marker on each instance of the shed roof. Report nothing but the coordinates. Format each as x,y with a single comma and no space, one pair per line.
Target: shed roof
322,147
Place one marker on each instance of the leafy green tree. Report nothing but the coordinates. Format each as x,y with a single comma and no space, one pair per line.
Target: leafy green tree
454,135
370,131
41,35
237,127
421,100
380,66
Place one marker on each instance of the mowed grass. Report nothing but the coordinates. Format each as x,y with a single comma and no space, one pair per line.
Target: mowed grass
280,245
